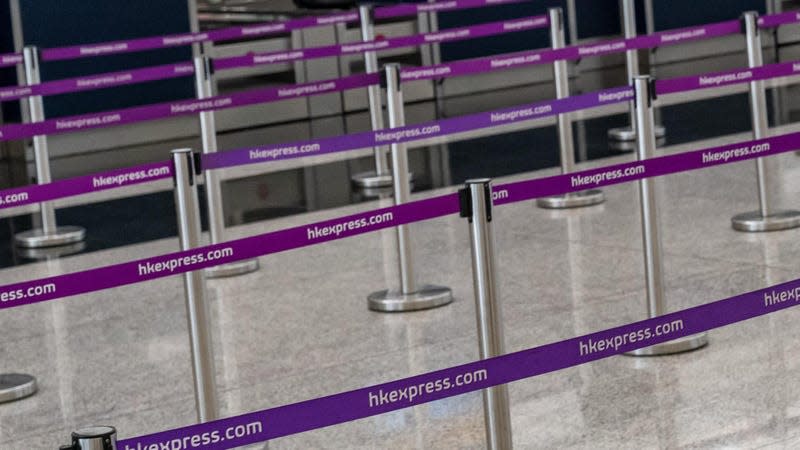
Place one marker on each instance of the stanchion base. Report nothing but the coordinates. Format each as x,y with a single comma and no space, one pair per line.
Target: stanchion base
427,297
45,253
38,238
381,192
755,222
628,134
573,200
630,146
232,269
682,345
371,180
16,386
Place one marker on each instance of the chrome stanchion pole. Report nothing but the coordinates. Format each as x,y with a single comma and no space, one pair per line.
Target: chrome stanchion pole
16,386
93,438
628,18
410,297
572,21
566,141
50,234
187,208
205,86
381,177
436,58
653,262
476,204
766,218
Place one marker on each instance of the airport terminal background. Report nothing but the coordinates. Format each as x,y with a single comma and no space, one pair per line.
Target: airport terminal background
299,326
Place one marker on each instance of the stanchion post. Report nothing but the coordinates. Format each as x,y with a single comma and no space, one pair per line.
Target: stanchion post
381,177
205,87
476,205
188,211
653,261
93,438
627,9
50,234
766,218
566,140
410,297
436,58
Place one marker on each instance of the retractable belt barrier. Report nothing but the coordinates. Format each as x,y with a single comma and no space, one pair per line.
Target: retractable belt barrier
726,78
428,387
10,198
574,52
180,108
776,20
28,292
14,197
99,81
135,76
244,32
448,35
460,68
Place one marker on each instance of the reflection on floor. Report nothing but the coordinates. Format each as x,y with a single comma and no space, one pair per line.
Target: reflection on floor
299,328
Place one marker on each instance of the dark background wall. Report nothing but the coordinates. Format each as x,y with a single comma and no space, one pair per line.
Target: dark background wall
595,18
52,23
55,23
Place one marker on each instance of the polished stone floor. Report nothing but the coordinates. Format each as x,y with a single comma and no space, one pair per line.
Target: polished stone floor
299,328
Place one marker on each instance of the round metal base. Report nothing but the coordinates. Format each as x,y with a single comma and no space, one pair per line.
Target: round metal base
573,200
45,253
16,386
38,238
381,192
371,180
628,134
232,269
755,222
426,298
630,146
682,345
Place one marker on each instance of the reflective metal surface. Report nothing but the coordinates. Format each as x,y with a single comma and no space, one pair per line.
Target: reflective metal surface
628,134
755,222
232,269
381,176
683,345
576,200
55,237
409,297
187,207
651,236
766,218
425,297
628,18
204,86
491,340
566,142
47,253
95,438
16,386
50,234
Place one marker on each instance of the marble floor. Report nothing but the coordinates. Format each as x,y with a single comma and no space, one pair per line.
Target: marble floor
299,329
